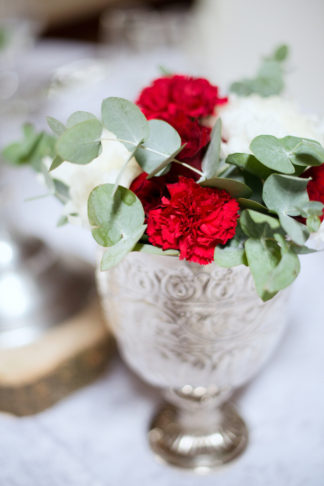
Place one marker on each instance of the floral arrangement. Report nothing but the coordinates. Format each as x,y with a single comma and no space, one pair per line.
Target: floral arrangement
187,172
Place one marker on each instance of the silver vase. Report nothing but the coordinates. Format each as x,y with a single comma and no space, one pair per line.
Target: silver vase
197,332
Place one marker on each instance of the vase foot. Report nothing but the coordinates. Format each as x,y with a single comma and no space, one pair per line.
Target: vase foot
190,447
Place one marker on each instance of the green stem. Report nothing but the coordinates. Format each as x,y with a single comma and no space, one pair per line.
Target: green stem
155,152
188,166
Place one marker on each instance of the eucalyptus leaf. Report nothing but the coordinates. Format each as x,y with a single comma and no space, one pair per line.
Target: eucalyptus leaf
269,78
61,191
115,254
229,257
49,182
62,221
154,250
125,120
210,163
117,221
78,117
161,145
273,267
271,153
308,152
231,254
249,163
282,193
258,225
297,231
80,144
302,250
55,125
31,149
281,53
313,223
312,208
57,161
235,188
251,204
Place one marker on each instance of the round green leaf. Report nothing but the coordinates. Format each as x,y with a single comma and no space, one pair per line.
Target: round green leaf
249,163
117,252
78,117
270,152
259,225
273,267
55,125
297,231
114,217
161,145
125,120
286,194
80,144
308,152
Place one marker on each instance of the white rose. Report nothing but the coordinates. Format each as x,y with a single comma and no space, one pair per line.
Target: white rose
244,118
82,179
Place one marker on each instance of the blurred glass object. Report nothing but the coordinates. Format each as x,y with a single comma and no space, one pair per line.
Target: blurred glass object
143,28
80,74
17,95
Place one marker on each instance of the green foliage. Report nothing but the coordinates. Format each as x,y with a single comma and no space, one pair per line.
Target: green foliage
31,149
259,225
80,144
282,193
269,79
271,153
154,250
210,163
117,221
56,126
272,260
274,267
57,161
234,187
251,204
79,117
161,145
125,120
233,253
249,163
287,195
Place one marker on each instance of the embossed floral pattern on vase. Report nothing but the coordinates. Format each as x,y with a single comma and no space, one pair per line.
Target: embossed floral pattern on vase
179,323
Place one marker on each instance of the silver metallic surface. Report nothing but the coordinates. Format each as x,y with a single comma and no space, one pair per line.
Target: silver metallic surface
37,289
198,332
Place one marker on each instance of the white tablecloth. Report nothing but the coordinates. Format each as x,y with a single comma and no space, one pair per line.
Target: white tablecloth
97,436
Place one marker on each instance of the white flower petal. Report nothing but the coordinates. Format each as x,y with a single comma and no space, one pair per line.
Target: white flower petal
244,118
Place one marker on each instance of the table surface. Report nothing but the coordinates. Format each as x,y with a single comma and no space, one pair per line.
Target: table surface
98,436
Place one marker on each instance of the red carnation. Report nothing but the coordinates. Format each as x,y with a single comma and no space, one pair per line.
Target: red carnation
195,97
193,220
194,136
149,191
315,187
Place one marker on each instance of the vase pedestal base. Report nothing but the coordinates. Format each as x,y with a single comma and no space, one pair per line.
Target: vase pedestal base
201,447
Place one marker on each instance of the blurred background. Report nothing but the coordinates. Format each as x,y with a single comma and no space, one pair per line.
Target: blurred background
59,56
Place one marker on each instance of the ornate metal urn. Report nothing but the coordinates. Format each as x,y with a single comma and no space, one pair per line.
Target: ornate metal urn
198,333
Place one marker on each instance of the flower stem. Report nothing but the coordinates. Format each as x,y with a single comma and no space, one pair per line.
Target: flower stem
188,166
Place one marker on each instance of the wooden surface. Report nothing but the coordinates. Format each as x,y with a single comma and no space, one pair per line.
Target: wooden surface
67,357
